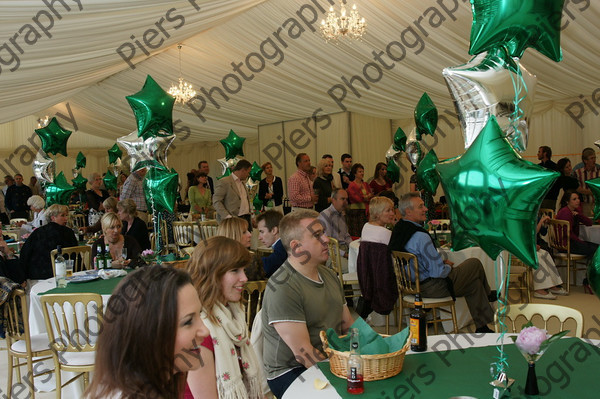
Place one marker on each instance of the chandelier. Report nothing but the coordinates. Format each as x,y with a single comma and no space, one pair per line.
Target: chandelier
335,27
182,92
43,122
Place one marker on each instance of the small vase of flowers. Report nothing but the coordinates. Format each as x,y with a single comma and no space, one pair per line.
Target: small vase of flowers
532,342
148,256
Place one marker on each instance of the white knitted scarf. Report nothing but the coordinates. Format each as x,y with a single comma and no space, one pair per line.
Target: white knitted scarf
232,333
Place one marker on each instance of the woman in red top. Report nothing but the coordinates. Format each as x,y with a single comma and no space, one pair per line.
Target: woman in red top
359,195
380,182
571,212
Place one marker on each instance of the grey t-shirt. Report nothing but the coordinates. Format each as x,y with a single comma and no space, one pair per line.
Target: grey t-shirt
292,297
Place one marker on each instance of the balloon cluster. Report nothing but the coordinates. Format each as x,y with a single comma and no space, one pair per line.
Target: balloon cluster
147,148
426,117
54,141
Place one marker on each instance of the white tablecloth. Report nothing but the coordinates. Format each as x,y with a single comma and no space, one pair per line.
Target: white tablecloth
37,325
303,386
590,233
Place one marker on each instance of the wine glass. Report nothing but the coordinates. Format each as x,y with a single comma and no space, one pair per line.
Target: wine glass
124,253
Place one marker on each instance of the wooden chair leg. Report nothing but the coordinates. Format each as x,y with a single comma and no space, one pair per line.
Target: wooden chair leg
453,310
10,375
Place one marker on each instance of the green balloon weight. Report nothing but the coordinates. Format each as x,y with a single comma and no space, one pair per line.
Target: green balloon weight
427,177
114,153
81,161
393,171
594,186
160,189
59,192
593,273
494,196
426,117
256,172
110,180
399,140
227,173
54,138
517,25
153,110
80,182
233,145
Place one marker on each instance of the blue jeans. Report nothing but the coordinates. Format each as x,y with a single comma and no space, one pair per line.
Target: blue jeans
280,384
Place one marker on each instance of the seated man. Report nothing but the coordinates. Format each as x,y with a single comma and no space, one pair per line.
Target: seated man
334,223
438,277
268,234
302,298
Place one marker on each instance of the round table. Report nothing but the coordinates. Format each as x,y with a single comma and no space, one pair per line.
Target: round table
443,346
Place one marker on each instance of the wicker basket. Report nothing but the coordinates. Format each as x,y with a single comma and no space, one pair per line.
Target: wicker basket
375,367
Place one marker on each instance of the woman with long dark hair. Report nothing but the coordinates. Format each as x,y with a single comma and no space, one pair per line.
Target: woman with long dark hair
380,182
150,336
571,212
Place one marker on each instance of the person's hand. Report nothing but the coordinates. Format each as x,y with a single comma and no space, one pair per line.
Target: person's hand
537,247
346,179
314,197
21,223
268,195
574,213
544,219
449,263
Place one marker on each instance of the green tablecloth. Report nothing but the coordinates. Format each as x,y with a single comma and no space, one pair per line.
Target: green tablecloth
100,286
569,369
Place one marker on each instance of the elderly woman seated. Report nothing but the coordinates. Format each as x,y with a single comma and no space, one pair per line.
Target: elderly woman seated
110,205
124,250
132,225
35,254
36,204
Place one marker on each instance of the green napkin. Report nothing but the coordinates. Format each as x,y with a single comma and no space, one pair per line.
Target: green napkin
370,342
168,257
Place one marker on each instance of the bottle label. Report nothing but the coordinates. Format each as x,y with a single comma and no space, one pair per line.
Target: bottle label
61,269
414,330
353,374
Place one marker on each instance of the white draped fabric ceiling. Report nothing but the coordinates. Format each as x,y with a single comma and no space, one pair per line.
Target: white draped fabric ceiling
258,62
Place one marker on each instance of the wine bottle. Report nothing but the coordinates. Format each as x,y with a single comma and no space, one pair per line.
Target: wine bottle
355,365
60,269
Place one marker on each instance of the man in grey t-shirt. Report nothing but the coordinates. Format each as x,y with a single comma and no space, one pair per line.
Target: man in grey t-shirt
302,298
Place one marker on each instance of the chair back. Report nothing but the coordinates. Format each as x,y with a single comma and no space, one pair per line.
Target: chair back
76,220
253,296
546,212
18,220
16,316
11,234
558,235
184,233
547,316
406,268
73,321
208,228
336,260
80,255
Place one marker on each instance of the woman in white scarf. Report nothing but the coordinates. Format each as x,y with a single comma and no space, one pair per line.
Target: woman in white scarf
217,270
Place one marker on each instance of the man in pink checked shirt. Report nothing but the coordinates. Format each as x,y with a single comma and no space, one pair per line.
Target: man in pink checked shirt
300,191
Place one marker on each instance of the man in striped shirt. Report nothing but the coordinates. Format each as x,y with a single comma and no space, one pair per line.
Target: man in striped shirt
300,190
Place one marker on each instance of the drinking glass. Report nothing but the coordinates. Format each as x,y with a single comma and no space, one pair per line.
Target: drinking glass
124,253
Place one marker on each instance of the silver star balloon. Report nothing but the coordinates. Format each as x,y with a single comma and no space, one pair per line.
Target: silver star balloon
228,163
151,152
413,149
491,84
393,155
116,167
43,167
251,185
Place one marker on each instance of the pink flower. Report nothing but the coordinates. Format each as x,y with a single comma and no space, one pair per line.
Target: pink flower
226,376
530,339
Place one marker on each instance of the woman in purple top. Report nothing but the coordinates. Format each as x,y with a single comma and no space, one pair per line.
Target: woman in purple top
571,212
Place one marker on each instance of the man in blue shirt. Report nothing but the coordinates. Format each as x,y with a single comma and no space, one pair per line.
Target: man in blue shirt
439,278
268,233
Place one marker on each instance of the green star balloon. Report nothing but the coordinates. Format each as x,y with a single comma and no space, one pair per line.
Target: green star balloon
54,138
427,177
517,25
153,109
81,161
593,272
426,117
393,172
233,145
59,192
256,172
399,140
594,186
494,196
257,203
114,153
160,189
80,182
110,180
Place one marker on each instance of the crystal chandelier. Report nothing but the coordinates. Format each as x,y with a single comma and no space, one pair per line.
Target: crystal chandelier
182,92
335,27
43,122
